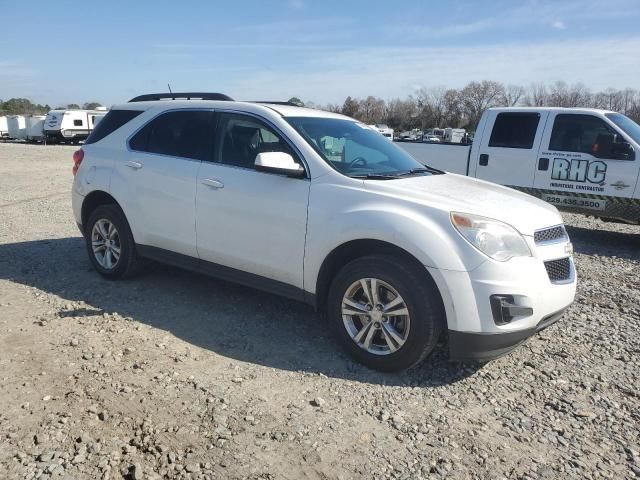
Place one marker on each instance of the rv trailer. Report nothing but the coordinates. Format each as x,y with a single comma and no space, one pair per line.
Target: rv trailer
16,127
35,127
454,135
71,126
4,129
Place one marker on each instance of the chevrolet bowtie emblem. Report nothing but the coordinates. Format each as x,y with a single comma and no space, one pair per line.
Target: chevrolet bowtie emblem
620,185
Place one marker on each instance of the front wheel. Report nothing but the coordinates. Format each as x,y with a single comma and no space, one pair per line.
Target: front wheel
386,313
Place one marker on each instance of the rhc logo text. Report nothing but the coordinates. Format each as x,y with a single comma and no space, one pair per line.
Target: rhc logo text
578,170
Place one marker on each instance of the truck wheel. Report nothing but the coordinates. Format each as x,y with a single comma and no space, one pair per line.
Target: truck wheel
385,313
110,244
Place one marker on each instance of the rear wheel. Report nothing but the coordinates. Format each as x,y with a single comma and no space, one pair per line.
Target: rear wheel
110,243
385,312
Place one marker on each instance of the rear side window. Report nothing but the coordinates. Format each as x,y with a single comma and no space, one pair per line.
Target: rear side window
514,130
186,134
112,121
578,133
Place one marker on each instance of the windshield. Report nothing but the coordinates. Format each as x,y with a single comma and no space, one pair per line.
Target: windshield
356,150
627,125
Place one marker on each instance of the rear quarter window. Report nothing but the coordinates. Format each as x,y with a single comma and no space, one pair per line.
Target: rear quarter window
112,121
514,130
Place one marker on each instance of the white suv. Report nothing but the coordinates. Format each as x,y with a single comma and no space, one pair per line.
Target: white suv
320,208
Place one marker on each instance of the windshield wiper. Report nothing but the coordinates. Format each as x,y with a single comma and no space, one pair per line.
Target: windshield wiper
375,176
414,171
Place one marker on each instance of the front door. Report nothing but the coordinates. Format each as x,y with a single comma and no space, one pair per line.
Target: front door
507,154
246,219
582,160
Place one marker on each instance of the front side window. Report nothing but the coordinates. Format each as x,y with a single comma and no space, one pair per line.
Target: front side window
354,149
77,123
580,133
627,125
514,130
243,137
186,134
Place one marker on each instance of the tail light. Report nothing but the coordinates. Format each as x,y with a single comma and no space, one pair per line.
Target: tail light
78,156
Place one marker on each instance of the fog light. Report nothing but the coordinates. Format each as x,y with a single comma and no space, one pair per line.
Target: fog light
504,309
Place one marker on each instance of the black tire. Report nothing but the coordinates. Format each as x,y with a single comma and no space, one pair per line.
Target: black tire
129,263
420,295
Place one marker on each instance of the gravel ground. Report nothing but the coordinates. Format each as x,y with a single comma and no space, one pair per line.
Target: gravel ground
175,375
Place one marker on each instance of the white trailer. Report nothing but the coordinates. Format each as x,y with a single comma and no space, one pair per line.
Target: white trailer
35,127
4,129
383,129
454,135
71,126
16,126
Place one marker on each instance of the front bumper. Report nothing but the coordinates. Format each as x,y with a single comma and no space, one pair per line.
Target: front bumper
482,347
533,301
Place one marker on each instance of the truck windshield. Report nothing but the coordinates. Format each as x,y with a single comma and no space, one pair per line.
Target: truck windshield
627,125
356,150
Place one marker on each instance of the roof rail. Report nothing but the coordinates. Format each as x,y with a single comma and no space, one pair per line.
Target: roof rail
275,103
181,96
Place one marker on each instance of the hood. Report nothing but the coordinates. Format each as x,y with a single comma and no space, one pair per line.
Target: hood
468,195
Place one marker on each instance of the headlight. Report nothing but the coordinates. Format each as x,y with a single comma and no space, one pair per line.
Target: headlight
493,238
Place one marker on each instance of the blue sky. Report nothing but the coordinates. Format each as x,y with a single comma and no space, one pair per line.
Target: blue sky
323,50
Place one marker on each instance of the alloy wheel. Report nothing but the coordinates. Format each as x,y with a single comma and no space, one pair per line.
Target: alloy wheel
105,242
375,316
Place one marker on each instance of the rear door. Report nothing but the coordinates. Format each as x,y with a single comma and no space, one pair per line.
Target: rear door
161,172
581,162
508,149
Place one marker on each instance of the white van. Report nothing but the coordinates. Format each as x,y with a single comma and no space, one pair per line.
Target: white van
70,126
16,127
583,160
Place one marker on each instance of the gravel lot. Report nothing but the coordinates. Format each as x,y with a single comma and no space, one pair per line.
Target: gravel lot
175,375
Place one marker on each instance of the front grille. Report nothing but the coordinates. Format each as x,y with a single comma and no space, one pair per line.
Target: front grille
552,234
559,270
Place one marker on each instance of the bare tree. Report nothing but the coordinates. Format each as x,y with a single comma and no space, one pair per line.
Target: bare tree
432,106
371,110
513,94
563,95
350,107
402,114
476,97
537,96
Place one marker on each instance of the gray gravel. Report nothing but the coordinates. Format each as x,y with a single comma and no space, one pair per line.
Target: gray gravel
175,375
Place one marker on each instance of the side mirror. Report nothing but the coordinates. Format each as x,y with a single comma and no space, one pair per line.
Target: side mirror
279,162
623,151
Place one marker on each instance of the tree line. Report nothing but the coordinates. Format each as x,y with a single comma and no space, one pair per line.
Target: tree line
24,106
462,108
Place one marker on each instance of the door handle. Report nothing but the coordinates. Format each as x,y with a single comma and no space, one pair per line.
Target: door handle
134,165
213,183
484,160
543,164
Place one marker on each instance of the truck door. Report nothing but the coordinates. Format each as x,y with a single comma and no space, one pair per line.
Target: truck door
508,151
585,163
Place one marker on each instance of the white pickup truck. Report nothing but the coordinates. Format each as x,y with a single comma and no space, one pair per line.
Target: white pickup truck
582,160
